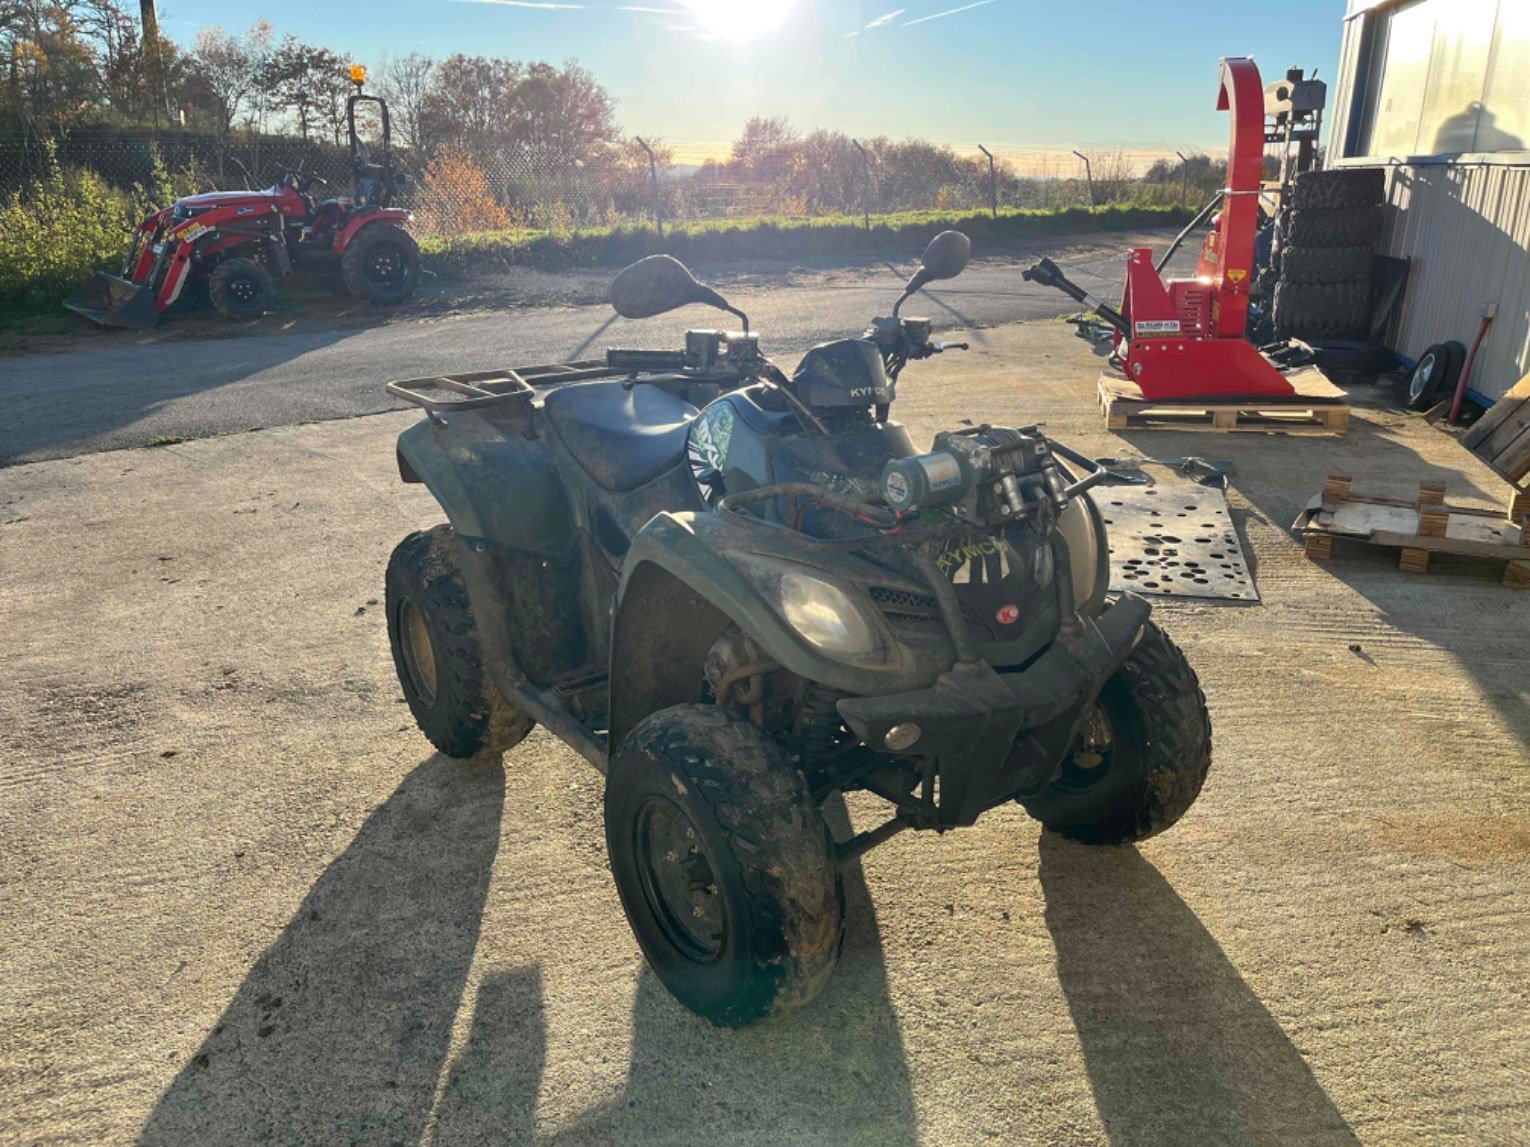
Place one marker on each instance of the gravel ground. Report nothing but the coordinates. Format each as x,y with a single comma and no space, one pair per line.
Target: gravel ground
241,901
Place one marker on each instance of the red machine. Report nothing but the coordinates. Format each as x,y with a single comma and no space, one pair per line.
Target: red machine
240,242
1185,338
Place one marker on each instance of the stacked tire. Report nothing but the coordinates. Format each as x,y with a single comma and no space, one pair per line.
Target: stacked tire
1322,259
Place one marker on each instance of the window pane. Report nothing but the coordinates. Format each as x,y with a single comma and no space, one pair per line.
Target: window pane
1404,72
1463,36
1505,121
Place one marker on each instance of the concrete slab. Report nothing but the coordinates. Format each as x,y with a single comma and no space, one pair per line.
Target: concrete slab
242,901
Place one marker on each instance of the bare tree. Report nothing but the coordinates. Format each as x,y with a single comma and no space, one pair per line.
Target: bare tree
228,71
405,82
301,79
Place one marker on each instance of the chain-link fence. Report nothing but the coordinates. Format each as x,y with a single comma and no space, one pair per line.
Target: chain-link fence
458,191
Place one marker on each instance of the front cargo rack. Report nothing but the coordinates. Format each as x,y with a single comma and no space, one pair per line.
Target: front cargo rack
482,390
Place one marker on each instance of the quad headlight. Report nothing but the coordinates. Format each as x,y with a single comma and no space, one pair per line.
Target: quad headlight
824,614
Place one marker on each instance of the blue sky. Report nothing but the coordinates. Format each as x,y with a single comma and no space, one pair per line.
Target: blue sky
1021,72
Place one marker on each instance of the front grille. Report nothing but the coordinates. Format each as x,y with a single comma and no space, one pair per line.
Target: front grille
907,609
887,596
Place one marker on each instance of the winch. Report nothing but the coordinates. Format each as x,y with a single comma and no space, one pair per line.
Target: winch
987,474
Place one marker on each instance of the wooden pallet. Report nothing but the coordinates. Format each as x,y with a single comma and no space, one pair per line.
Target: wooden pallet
1501,438
1316,407
1418,529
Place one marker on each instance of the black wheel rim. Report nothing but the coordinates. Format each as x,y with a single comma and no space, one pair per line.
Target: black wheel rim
679,884
418,653
385,266
244,290
1089,761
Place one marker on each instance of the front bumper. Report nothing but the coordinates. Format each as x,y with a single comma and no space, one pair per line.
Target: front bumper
998,735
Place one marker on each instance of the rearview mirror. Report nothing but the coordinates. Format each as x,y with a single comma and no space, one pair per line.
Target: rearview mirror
658,284
944,258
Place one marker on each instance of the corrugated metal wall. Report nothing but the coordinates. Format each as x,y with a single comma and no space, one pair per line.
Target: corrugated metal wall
1466,228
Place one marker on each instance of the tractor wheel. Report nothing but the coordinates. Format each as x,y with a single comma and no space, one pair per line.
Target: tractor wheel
1322,311
381,264
1141,754
1326,265
437,655
1341,227
724,865
1340,187
241,289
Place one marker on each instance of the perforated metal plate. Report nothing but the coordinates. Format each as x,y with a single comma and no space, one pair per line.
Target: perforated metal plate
1174,539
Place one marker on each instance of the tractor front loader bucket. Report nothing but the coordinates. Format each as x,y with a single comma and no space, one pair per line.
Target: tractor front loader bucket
114,301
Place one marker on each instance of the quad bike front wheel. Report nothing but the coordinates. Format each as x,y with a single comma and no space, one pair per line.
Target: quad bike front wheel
724,865
381,265
437,655
1141,755
241,289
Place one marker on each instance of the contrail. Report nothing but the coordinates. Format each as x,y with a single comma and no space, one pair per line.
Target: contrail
947,12
877,23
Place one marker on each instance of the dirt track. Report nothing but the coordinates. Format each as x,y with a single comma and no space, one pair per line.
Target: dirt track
242,901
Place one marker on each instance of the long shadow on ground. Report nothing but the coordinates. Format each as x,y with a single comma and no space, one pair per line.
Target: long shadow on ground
1178,1048
827,1072
339,1032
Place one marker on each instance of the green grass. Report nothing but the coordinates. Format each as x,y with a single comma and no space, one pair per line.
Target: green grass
775,237
35,313
40,311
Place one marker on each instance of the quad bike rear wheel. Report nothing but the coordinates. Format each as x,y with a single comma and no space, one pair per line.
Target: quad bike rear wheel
724,865
381,265
437,655
1141,755
241,289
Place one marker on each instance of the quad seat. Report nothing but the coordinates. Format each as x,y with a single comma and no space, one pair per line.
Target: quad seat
623,438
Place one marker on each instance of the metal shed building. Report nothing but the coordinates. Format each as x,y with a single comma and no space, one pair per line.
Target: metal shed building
1438,93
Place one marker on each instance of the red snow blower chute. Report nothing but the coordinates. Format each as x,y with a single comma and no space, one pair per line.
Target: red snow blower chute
1185,338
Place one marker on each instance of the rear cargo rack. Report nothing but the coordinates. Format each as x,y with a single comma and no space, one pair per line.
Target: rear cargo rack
482,390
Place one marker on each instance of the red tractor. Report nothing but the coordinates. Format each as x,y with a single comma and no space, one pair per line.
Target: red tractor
240,242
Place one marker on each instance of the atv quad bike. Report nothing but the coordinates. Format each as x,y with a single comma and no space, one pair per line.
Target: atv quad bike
738,593
240,242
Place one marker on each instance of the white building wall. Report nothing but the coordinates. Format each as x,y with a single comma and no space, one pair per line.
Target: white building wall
1466,229
1464,224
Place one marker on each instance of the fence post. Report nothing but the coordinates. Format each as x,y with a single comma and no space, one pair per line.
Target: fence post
865,183
993,183
1089,175
1184,177
653,176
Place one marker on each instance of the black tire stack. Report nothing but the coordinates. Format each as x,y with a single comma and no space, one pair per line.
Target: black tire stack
1322,260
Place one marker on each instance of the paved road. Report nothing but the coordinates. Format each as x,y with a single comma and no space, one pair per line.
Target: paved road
60,405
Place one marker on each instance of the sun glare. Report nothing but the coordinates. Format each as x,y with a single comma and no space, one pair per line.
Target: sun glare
738,20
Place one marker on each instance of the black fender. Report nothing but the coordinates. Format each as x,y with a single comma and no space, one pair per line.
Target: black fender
679,591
